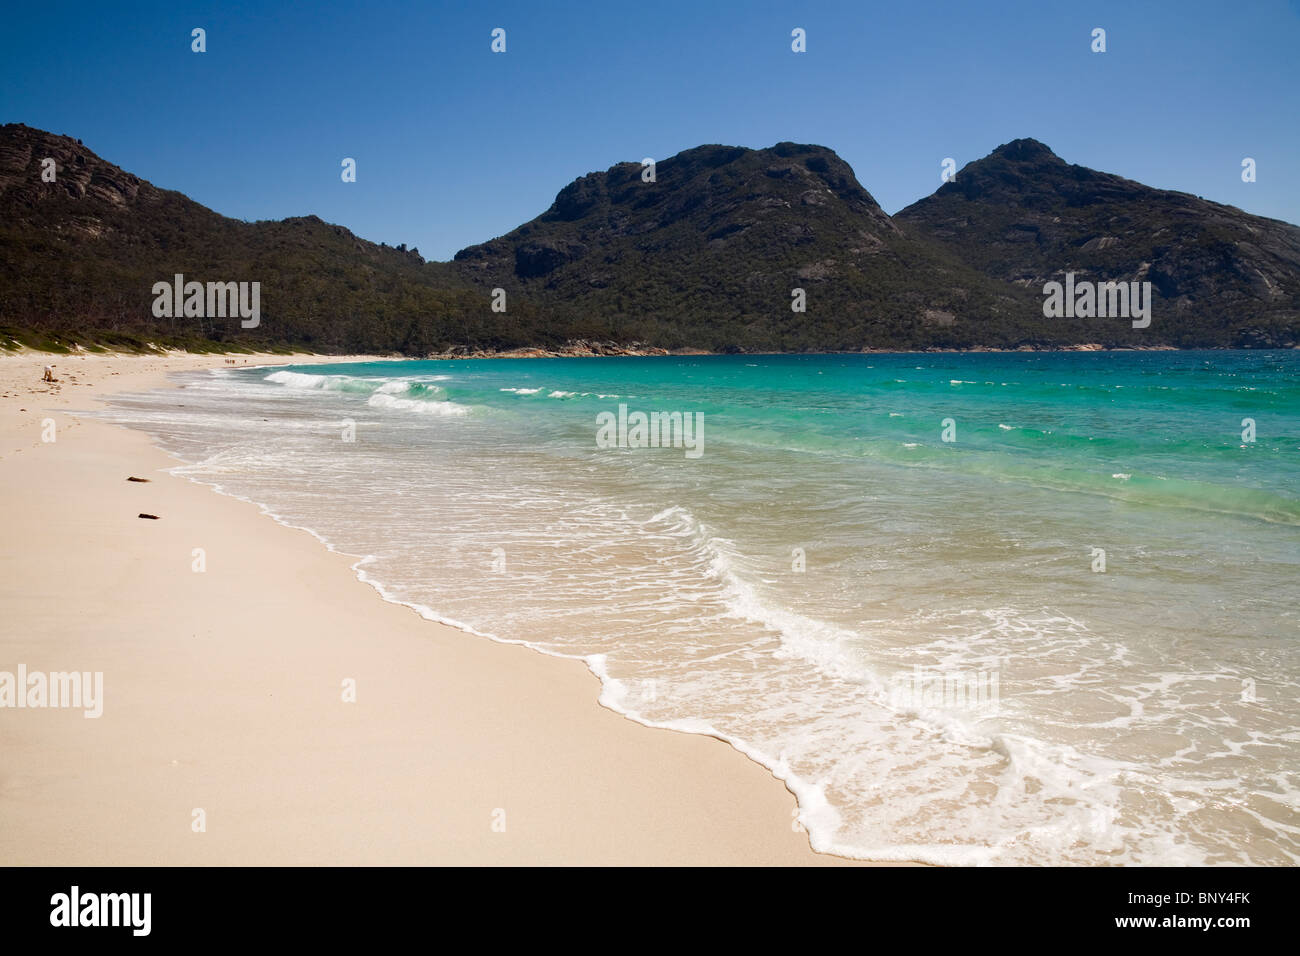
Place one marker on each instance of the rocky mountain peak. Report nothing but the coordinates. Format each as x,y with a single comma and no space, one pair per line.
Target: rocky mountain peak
1026,151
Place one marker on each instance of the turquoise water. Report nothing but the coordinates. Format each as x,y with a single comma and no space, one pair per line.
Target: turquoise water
917,634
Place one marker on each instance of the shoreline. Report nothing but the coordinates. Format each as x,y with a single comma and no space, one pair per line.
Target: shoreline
470,750
609,350
615,350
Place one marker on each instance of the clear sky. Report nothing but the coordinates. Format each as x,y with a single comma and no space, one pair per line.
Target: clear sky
455,144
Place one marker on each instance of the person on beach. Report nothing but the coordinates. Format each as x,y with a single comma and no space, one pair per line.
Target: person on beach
49,374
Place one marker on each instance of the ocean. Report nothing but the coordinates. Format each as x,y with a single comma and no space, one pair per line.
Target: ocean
974,608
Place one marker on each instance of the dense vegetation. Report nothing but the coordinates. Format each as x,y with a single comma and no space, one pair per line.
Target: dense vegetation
1219,276
709,253
82,254
704,256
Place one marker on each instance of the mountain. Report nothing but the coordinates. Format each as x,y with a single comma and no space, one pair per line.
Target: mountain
709,253
704,254
1219,276
82,254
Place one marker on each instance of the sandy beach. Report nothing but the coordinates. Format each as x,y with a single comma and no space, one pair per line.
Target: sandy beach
223,691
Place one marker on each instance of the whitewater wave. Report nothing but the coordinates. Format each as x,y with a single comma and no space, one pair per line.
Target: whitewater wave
329,383
422,406
1050,796
419,395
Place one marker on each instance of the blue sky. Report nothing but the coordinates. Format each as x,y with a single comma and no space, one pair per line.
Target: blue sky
455,145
